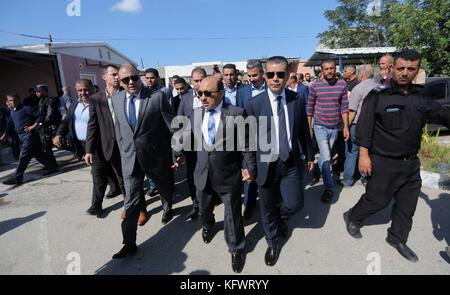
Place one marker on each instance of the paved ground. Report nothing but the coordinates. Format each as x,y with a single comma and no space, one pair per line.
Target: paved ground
43,230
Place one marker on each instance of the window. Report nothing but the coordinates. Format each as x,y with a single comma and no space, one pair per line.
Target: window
109,55
100,53
90,76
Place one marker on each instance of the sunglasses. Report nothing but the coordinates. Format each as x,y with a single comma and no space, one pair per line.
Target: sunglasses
206,93
280,75
126,80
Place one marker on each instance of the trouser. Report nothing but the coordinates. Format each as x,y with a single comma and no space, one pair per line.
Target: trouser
325,140
191,160
233,221
46,135
351,155
281,196
391,179
30,146
102,172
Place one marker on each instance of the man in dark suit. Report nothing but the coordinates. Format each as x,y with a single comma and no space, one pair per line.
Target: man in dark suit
102,152
218,169
143,133
257,85
188,103
280,167
181,88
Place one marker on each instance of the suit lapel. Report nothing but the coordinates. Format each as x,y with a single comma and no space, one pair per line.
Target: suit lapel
121,100
290,102
145,98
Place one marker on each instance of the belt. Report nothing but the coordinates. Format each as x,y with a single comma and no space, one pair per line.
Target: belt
405,158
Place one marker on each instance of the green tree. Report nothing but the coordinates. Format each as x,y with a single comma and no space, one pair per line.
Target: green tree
350,26
425,26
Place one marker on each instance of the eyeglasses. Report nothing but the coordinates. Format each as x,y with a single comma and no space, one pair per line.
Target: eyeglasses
280,75
126,80
206,93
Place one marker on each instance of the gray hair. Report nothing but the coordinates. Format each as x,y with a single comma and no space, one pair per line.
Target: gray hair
366,70
255,63
351,67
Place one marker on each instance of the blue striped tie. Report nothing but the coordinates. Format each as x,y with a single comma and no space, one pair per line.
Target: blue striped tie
132,112
211,128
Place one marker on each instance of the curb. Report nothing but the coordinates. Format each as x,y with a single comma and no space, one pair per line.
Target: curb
435,180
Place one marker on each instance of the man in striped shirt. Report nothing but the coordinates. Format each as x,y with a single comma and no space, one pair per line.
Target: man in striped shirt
327,105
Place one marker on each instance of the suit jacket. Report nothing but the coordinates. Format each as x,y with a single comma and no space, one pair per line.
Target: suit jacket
259,106
186,104
68,125
222,168
175,103
100,137
150,143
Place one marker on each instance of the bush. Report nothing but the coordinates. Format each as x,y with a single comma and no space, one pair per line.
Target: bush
433,154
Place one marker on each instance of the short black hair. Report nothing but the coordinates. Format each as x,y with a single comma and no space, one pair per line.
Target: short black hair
153,71
277,60
409,54
179,81
106,67
219,85
328,61
230,66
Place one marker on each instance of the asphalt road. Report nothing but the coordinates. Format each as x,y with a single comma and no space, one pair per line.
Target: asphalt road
44,230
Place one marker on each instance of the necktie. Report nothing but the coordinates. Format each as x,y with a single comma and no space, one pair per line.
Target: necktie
132,112
283,144
211,128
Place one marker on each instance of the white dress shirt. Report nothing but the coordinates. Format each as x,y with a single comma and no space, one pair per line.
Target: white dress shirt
137,103
217,113
196,102
274,105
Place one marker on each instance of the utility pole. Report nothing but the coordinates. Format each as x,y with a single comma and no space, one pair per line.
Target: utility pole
142,63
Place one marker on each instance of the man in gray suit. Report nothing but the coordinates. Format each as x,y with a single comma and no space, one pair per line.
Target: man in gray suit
143,133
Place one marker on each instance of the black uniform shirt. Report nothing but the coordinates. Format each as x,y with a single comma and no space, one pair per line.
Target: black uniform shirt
391,122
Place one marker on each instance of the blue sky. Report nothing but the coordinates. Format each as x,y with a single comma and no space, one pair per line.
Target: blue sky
213,30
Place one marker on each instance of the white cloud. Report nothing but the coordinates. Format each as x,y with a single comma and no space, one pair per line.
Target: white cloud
128,6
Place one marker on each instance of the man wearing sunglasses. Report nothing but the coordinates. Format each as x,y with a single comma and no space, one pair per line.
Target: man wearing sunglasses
218,169
188,103
280,178
143,132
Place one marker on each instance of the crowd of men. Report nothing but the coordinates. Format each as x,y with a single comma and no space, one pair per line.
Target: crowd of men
126,133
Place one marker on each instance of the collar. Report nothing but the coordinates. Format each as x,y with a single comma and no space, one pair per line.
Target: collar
273,96
232,90
393,88
218,108
263,87
85,105
138,96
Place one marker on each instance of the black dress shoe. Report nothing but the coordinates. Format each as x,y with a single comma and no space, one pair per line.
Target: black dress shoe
125,251
93,210
111,195
327,196
167,216
352,228
206,235
193,214
237,262
50,172
272,255
404,250
13,181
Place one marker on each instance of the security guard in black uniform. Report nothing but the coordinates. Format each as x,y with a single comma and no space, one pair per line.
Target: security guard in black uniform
22,119
48,120
389,133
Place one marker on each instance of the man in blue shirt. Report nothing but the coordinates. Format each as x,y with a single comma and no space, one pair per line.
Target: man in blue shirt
22,118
